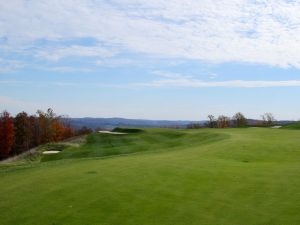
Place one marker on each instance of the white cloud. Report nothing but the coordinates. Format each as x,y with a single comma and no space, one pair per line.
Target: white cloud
264,31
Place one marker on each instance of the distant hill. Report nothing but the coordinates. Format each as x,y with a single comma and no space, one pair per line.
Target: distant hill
109,123
253,122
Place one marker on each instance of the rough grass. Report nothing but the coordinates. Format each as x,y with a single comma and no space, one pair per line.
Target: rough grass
100,145
127,130
208,176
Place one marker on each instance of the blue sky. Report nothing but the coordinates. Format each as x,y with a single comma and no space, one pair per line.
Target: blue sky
151,59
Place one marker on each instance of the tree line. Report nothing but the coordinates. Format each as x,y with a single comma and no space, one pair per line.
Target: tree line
238,120
22,132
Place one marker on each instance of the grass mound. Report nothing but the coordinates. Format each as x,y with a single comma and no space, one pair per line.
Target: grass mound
293,126
54,147
127,130
99,145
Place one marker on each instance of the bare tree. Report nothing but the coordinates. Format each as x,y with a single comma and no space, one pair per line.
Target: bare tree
268,119
223,121
212,121
193,126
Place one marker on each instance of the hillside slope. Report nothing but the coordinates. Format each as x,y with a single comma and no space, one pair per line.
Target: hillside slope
293,126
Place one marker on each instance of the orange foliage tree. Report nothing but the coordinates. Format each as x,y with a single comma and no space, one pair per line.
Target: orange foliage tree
46,121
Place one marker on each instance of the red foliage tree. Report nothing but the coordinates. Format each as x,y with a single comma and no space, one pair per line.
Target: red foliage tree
24,132
62,129
68,132
6,134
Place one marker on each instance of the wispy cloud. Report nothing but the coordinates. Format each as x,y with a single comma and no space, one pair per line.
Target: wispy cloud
67,69
7,65
193,83
112,62
171,75
265,32
41,83
55,54
166,83
212,75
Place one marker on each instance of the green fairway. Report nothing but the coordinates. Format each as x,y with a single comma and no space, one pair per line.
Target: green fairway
247,176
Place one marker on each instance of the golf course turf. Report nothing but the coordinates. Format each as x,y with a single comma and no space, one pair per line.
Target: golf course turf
248,176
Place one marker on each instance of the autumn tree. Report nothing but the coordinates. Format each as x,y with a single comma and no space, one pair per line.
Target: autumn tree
53,127
68,130
22,132
239,120
6,134
58,130
61,130
46,121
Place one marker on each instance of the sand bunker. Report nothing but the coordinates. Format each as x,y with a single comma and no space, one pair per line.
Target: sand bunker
276,127
50,152
109,132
